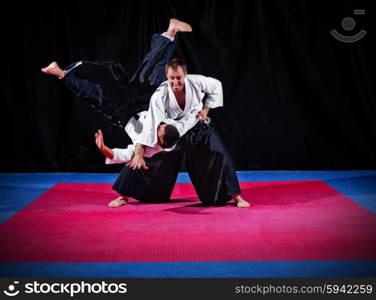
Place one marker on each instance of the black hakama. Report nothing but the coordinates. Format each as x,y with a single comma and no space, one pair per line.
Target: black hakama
107,87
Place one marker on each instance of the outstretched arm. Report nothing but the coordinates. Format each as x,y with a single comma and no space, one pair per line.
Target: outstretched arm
115,155
99,141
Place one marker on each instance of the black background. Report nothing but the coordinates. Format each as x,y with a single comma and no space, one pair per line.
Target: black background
295,97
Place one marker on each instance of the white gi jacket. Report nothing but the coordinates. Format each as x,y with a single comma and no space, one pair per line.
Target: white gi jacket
165,108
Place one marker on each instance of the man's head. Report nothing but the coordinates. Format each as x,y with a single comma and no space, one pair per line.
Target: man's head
168,135
175,73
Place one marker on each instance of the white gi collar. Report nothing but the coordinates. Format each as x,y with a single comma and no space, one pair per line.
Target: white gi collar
188,98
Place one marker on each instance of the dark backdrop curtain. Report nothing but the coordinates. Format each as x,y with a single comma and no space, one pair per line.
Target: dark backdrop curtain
295,97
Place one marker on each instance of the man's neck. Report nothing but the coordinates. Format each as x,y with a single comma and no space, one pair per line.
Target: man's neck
180,94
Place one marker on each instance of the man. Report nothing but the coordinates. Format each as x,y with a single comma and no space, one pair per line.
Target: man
179,102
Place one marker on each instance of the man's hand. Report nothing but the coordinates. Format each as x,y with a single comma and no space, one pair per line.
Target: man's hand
99,139
137,163
202,115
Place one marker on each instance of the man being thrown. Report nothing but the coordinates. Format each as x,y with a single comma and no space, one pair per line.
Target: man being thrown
124,102
167,135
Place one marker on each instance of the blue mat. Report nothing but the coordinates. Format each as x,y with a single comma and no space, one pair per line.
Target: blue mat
19,190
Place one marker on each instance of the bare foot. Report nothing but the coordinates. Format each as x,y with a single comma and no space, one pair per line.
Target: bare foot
118,202
54,69
177,26
240,202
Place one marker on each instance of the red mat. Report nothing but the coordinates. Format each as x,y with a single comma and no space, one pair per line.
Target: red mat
293,220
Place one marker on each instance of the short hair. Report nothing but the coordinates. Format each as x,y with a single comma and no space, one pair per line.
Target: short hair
171,136
175,64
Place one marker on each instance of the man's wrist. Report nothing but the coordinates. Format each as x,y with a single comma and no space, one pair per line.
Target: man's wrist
139,150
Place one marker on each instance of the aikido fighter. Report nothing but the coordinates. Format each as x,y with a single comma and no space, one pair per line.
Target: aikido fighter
183,101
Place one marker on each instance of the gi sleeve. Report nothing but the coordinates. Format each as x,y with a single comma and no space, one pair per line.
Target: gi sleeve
212,88
121,155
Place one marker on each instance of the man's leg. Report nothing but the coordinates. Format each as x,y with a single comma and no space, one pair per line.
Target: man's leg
210,167
103,85
152,68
